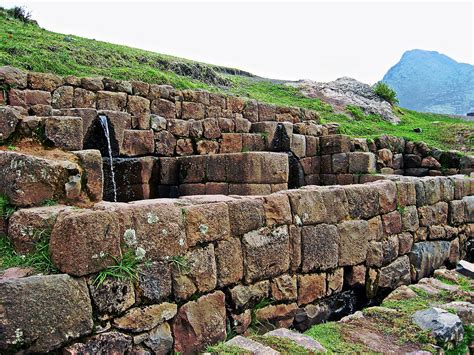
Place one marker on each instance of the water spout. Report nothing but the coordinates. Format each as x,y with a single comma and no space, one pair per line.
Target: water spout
105,126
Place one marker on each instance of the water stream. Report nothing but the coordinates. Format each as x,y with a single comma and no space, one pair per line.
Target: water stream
105,126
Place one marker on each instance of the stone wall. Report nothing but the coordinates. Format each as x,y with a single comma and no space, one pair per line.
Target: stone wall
156,121
213,262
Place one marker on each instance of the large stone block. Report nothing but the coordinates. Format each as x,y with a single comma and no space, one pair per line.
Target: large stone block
311,287
9,119
63,97
392,223
84,98
266,253
410,221
104,343
112,297
29,180
307,206
361,162
154,282
146,318
93,176
245,215
319,247
257,167
13,77
44,81
84,241
200,323
113,101
363,201
277,209
353,241
229,261
434,214
64,132
42,313
245,296
207,223
469,208
395,274
335,143
335,200
425,257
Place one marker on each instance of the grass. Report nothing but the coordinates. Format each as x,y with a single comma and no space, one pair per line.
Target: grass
463,283
124,268
29,47
6,209
330,337
39,260
282,345
181,263
222,348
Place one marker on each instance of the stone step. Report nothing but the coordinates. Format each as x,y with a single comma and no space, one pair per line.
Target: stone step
303,340
250,345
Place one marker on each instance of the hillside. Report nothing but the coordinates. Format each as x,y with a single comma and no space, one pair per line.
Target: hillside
432,82
26,46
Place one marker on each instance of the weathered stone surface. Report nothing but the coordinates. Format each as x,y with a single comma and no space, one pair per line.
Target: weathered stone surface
335,201
192,110
184,147
248,345
137,320
243,296
280,315
405,242
93,83
44,81
395,274
154,282
229,262
284,288
319,247
355,276
353,242
207,223
202,273
245,215
433,215
112,297
335,281
113,101
308,206
456,214
363,201
28,180
137,142
331,144
159,227
425,257
41,313
13,77
64,132
361,162
84,98
311,287
91,162
165,143
375,228
63,97
410,221
443,325
302,340
259,250
160,339
469,208
277,209
82,241
464,310
105,343
9,119
200,323
392,223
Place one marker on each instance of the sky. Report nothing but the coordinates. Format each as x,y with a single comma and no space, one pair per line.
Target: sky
317,40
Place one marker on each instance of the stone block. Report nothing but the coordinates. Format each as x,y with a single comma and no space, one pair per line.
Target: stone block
231,143
44,81
406,193
307,206
250,111
336,203
154,282
266,112
250,189
242,125
410,221
9,119
200,323
335,143
434,214
245,215
277,209
163,108
375,228
355,276
252,142
340,163
295,247
311,287
145,318
392,223
138,142
207,147
260,248
184,147
335,281
113,101
93,84
112,297
106,343
280,315
425,257
13,77
319,247
257,167
62,97
44,312
363,201
211,128
207,223
353,241
468,208
298,145
395,274
192,110
361,162
229,261
117,85
284,288
405,242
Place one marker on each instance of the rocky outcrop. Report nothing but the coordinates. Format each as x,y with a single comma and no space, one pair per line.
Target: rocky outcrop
347,91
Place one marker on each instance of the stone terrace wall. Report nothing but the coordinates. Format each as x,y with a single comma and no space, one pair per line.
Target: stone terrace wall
316,252
167,124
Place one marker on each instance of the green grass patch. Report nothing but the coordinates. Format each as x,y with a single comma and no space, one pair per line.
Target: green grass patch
330,337
463,283
284,346
6,208
124,268
39,260
222,348
463,347
181,263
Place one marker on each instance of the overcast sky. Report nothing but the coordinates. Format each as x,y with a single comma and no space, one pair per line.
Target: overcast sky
284,40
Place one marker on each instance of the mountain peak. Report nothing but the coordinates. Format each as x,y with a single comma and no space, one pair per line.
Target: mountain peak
430,81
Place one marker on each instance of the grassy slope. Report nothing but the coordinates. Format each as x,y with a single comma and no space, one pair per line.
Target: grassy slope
31,48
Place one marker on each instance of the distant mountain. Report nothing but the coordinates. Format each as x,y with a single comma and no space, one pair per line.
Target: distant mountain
429,81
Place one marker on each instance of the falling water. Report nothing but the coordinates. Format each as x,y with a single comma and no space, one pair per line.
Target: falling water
105,126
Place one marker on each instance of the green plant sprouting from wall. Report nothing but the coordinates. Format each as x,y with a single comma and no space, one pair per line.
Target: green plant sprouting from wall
125,267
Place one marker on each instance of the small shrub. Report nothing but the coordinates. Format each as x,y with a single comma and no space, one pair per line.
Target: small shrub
20,13
386,92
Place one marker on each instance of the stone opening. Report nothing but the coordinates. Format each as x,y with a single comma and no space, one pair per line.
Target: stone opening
95,138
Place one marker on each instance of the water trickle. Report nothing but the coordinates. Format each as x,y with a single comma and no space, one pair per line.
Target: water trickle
105,126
